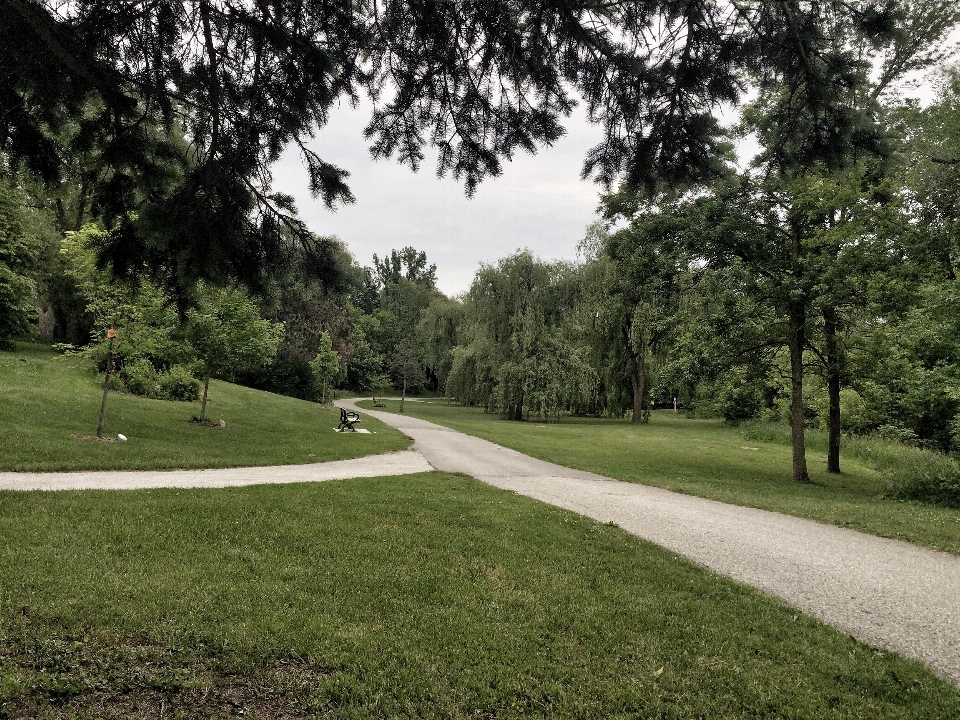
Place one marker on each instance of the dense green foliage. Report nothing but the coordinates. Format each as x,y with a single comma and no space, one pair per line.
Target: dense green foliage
819,295
227,334
516,359
171,141
18,256
428,596
827,259
157,352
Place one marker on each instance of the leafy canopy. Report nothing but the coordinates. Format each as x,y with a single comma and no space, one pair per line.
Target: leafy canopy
187,103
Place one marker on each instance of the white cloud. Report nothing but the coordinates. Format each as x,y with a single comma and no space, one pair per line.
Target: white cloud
539,202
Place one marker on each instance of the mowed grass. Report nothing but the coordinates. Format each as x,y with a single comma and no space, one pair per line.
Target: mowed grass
709,459
46,399
421,596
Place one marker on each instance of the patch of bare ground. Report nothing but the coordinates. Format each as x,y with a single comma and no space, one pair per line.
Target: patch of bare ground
82,677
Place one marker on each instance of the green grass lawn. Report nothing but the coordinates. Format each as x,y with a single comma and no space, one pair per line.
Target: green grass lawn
709,459
46,398
421,596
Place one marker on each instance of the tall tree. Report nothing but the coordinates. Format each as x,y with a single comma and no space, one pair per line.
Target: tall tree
816,112
440,330
227,334
244,81
649,257
407,364
517,359
404,283
19,253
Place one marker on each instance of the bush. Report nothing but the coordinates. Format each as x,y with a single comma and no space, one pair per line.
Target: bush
178,384
140,377
935,482
911,473
116,383
735,396
898,434
864,411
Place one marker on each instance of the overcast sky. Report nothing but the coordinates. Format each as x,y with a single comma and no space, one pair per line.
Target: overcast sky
539,202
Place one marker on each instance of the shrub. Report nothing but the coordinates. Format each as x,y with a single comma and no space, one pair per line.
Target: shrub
140,377
911,473
897,433
288,376
735,396
116,383
178,384
935,482
855,415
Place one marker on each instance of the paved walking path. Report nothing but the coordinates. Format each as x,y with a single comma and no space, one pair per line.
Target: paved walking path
884,592
404,462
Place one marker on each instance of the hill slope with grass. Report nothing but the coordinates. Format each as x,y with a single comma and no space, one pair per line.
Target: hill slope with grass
425,596
46,400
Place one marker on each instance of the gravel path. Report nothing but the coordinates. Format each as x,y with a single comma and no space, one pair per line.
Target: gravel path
884,592
404,462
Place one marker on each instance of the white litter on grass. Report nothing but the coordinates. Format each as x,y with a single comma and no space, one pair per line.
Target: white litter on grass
121,438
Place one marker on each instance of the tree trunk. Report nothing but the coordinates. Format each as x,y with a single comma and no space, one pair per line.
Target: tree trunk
403,395
833,387
203,405
638,377
796,339
81,207
797,310
106,390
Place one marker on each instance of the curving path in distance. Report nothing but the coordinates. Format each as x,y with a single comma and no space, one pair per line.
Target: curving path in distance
884,592
403,462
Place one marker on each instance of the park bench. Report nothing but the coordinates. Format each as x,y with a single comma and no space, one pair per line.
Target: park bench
378,403
348,418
